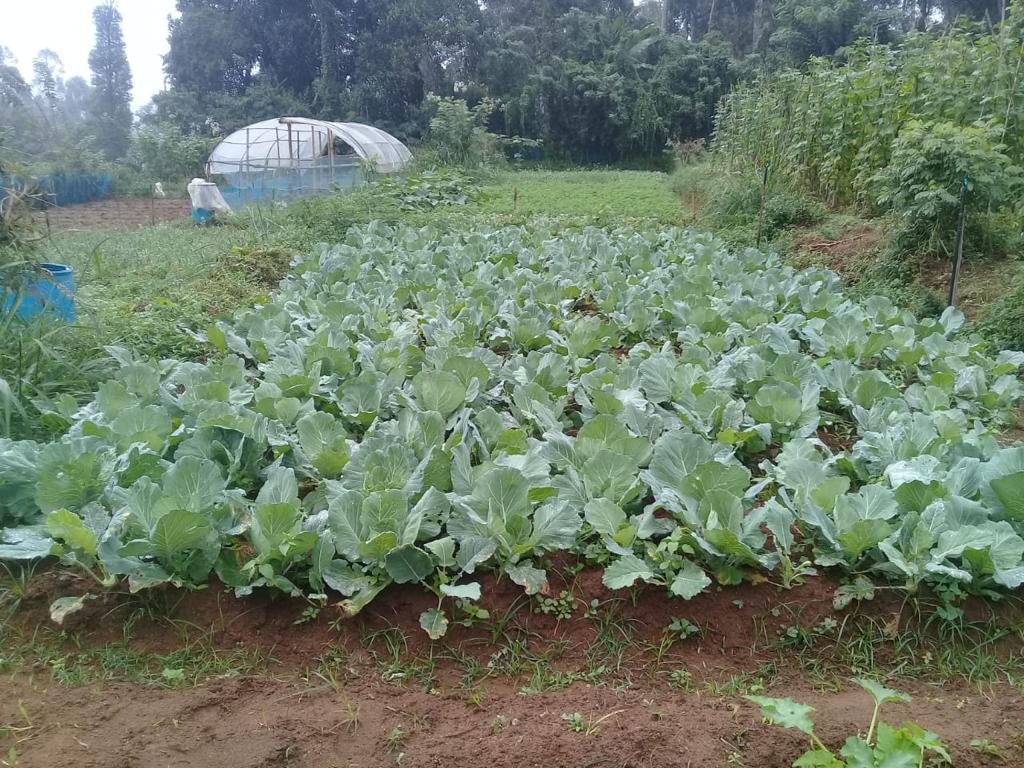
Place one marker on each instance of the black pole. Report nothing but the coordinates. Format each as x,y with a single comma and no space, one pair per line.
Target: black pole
958,258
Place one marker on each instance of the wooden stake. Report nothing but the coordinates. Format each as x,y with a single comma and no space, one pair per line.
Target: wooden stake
958,259
760,213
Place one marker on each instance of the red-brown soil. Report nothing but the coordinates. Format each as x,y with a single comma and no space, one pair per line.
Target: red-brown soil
114,213
451,703
847,255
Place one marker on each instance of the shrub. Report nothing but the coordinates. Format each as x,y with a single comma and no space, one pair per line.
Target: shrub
1003,323
163,153
457,133
930,161
738,204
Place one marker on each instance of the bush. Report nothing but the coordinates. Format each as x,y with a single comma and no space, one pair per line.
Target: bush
163,153
930,161
1003,323
738,204
457,134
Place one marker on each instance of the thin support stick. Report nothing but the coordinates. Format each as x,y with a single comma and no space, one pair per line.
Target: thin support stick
760,213
954,279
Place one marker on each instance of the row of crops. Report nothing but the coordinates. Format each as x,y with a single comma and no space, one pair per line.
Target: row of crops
417,406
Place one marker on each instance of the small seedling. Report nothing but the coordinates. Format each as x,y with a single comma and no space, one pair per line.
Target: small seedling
884,744
575,721
561,607
395,738
988,747
309,613
681,679
683,628
587,727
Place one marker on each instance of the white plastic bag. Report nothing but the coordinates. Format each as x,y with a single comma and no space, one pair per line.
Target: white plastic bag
205,195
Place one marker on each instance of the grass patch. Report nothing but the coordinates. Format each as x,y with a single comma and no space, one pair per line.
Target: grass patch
142,289
597,196
68,662
978,652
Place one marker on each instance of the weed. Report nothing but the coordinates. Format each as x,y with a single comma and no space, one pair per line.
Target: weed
331,666
64,658
683,629
309,613
682,680
396,736
577,724
587,197
575,721
476,696
870,646
560,606
543,678
393,664
988,747
745,683
14,587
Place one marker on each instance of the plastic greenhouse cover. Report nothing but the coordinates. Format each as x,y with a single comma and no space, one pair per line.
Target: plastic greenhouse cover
296,142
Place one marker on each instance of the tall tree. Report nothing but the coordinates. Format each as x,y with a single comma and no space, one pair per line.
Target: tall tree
110,113
13,88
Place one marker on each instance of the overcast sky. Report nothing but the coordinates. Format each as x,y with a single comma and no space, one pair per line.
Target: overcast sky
65,27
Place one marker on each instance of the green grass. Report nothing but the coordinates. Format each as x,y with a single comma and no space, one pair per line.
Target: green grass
67,661
594,196
142,289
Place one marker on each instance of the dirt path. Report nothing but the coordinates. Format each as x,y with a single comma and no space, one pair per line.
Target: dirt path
599,690
367,723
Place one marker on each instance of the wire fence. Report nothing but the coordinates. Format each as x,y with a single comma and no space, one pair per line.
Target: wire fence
260,184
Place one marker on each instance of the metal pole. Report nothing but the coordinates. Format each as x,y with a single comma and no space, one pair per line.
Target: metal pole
958,260
330,152
248,157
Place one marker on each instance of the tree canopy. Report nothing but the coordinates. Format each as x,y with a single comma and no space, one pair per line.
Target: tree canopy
590,80
109,111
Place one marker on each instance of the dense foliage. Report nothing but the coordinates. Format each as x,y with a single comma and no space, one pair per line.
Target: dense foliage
416,406
593,80
897,128
589,80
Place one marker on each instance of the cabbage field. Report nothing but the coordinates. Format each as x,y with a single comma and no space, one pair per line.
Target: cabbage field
416,405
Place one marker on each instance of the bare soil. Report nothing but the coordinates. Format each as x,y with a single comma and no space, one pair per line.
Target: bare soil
335,693
114,213
982,281
848,255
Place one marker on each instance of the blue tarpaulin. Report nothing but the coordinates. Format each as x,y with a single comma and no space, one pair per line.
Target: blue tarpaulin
60,188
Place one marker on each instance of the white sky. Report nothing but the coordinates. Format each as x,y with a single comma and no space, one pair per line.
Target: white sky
65,27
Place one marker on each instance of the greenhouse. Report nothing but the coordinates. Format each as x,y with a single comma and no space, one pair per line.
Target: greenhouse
288,157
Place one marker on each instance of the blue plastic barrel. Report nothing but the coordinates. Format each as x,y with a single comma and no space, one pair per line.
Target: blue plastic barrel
202,215
52,293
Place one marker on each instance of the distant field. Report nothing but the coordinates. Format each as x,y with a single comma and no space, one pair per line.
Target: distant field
604,195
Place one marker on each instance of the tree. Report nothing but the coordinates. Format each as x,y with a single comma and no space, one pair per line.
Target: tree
13,88
110,113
